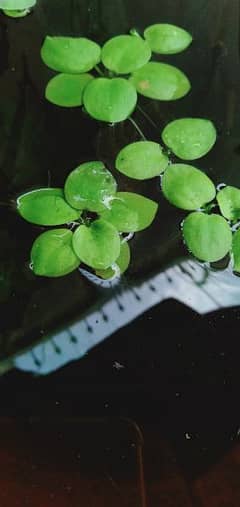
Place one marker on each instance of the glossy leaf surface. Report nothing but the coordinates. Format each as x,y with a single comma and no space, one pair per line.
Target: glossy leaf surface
122,263
52,254
189,138
186,187
98,245
236,251
125,53
46,206
229,202
17,5
167,39
131,212
208,237
161,81
70,55
141,160
110,100
17,14
90,186
66,90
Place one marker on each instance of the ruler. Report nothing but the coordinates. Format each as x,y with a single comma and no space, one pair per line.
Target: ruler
193,284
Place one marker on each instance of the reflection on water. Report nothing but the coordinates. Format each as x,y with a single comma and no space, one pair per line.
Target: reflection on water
197,286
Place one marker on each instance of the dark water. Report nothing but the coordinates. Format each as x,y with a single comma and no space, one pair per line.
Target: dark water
176,368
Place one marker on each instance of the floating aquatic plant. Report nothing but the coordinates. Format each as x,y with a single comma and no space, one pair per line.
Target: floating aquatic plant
228,199
71,55
208,237
121,263
167,39
125,53
95,214
67,89
46,206
17,8
142,160
187,187
95,217
189,138
125,69
160,81
110,100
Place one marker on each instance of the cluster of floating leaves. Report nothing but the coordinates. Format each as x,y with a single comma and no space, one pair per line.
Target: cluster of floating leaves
208,235
17,8
123,70
96,217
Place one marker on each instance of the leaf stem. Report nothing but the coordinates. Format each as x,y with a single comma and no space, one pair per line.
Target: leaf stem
99,71
137,128
147,117
235,227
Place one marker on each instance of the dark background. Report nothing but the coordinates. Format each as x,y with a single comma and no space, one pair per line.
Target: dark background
181,370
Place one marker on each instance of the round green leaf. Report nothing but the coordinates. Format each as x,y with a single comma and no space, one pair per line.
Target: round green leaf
17,5
52,254
141,160
125,53
17,14
110,100
122,262
98,245
229,202
131,212
90,186
190,138
46,206
167,39
66,90
160,81
71,55
208,237
187,187
236,251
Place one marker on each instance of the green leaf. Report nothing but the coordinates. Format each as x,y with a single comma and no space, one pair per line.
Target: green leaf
110,100
141,160
208,237
125,53
90,186
66,90
236,251
52,254
131,212
70,55
46,206
17,5
187,187
98,245
190,138
17,14
167,39
122,263
229,202
160,81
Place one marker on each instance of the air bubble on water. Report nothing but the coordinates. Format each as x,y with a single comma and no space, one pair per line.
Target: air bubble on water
31,266
128,237
220,186
107,200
